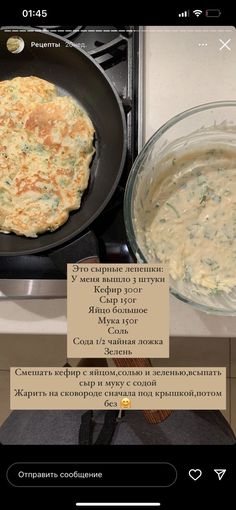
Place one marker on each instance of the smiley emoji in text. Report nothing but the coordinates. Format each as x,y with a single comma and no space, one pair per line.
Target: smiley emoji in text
125,403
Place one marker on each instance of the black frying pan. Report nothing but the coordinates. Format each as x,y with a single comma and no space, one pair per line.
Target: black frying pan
78,75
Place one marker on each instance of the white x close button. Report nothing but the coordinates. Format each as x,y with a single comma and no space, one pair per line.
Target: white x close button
224,44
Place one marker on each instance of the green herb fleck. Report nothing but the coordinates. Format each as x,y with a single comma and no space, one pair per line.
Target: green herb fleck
215,291
187,272
208,261
211,152
173,209
203,199
39,148
55,203
25,148
212,263
207,234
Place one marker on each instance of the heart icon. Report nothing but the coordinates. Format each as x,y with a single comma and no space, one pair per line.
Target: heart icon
195,474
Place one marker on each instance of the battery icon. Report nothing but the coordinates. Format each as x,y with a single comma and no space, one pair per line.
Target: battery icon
213,13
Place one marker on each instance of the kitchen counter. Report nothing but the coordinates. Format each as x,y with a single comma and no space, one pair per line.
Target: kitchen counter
49,317
183,68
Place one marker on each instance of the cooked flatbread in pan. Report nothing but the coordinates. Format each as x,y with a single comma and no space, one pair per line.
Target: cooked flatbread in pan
46,147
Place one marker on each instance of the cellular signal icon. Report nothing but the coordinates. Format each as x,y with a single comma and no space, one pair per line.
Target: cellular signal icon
184,14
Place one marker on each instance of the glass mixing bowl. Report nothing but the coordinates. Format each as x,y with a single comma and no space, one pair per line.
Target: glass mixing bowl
202,129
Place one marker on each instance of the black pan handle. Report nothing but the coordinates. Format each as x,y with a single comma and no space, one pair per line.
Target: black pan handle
83,250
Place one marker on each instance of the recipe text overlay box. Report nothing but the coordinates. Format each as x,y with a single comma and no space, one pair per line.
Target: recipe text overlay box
106,387
117,311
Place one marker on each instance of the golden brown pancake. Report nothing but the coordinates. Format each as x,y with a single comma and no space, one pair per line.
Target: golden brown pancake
46,147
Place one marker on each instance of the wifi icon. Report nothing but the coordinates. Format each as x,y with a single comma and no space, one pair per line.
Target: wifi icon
197,12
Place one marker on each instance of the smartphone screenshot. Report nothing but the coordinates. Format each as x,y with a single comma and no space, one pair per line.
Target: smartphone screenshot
117,259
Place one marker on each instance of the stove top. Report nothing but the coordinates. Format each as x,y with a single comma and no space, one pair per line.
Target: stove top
116,49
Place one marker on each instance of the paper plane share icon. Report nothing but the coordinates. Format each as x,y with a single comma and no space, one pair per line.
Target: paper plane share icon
220,473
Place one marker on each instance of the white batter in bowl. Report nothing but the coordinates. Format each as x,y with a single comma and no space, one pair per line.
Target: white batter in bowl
180,205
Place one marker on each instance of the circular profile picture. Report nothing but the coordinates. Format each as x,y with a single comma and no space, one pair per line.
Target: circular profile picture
15,44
